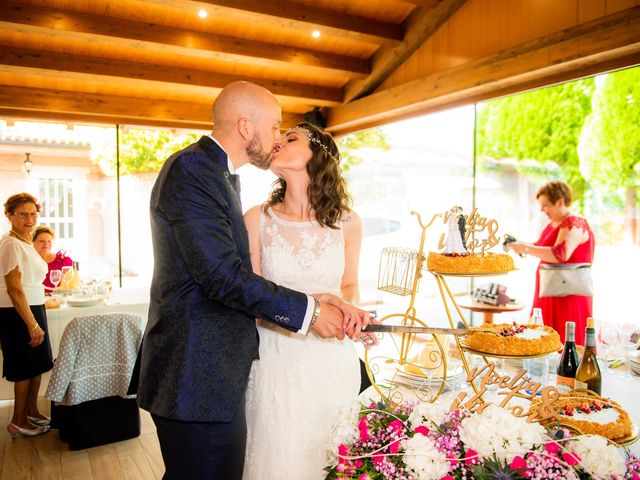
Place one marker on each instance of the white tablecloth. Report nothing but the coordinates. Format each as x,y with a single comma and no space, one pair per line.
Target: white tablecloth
120,301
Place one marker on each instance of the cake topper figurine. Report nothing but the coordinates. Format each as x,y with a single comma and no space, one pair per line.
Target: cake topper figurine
460,236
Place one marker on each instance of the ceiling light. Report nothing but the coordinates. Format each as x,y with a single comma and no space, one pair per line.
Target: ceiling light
202,13
315,34
28,164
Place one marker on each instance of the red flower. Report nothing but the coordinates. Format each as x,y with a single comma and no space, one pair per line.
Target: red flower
518,462
357,463
378,459
472,457
571,458
422,429
552,447
343,451
394,447
452,459
396,425
364,430
447,477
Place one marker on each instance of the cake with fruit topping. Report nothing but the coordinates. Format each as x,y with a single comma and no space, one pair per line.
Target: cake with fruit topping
589,413
512,339
471,263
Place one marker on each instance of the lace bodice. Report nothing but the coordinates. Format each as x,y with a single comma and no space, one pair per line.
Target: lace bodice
301,255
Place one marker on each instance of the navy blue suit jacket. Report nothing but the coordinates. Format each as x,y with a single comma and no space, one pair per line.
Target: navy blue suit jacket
201,336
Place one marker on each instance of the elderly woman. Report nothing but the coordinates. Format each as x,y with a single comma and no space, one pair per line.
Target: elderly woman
42,242
23,322
567,238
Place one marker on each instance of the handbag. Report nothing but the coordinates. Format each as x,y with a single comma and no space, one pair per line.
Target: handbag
562,279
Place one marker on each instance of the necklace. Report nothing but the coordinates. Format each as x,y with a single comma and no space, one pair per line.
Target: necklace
26,240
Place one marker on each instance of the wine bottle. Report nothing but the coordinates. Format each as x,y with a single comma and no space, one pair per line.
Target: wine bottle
588,374
565,381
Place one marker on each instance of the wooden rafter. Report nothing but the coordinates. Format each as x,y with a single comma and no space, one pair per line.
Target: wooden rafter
294,15
15,17
135,111
421,24
608,42
38,59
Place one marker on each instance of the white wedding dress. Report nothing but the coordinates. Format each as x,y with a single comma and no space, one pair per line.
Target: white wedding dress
300,383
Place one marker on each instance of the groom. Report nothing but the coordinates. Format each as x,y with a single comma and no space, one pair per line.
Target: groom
201,336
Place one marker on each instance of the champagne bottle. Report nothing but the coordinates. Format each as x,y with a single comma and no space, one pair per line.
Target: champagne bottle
568,365
76,276
588,374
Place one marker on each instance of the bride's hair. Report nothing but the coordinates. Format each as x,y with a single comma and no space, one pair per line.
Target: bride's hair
328,195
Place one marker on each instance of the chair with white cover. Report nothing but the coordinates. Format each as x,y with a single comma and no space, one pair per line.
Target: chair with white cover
90,378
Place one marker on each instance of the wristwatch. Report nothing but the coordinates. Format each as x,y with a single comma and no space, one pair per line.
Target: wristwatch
316,313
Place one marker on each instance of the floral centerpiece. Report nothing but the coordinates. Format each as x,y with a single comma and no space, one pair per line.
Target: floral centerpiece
427,441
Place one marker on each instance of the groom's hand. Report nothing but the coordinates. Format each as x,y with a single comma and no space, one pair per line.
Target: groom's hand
329,322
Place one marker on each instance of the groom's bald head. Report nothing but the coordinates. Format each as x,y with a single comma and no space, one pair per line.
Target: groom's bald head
241,100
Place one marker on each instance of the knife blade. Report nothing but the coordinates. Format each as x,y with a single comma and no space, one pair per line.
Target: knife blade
381,328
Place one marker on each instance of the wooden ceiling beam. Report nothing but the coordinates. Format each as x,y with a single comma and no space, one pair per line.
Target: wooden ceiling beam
421,24
127,109
611,42
15,16
285,14
57,61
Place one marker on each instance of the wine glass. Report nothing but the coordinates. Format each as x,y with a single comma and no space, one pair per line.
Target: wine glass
607,341
55,277
66,275
625,330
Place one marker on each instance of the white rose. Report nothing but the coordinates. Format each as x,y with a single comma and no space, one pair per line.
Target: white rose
598,457
343,432
423,459
426,412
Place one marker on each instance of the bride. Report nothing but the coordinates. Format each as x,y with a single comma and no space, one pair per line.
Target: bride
304,237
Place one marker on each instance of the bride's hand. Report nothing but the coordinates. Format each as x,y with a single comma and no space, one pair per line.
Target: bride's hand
354,319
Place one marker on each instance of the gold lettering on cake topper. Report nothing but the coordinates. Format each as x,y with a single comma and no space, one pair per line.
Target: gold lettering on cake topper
518,386
473,224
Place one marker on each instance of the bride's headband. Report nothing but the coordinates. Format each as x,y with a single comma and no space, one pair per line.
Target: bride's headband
314,139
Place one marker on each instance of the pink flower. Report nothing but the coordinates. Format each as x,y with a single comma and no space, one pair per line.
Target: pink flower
422,429
447,477
343,451
357,463
364,476
396,425
452,459
472,457
340,468
394,447
364,430
636,476
518,462
378,459
552,447
571,458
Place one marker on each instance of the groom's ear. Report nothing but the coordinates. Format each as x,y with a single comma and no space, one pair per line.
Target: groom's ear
245,128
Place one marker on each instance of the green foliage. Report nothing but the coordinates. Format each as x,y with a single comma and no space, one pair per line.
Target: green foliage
610,142
145,150
349,144
542,126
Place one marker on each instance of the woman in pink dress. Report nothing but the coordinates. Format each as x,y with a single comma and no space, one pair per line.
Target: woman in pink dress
42,242
566,239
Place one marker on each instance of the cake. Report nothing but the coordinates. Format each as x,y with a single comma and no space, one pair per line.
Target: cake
512,339
470,264
589,413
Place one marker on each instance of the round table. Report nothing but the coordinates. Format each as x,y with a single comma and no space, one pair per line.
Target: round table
489,310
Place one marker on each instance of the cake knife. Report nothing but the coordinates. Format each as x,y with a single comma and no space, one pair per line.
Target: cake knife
381,328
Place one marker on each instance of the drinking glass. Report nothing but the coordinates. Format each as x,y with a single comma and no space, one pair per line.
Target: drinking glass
66,275
55,277
607,342
624,338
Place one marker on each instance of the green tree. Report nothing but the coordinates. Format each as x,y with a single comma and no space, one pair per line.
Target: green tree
350,144
539,127
610,141
144,151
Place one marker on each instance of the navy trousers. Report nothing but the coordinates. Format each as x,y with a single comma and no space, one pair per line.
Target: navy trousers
203,451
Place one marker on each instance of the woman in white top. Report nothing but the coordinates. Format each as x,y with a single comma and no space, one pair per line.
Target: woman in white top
23,321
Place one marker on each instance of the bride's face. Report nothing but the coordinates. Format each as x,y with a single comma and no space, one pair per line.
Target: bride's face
294,154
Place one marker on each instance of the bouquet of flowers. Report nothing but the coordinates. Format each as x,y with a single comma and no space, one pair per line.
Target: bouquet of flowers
426,441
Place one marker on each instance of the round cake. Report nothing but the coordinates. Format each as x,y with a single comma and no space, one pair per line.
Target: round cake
512,339
590,413
470,264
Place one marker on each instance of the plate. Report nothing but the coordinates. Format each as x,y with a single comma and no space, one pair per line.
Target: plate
83,301
454,368
497,355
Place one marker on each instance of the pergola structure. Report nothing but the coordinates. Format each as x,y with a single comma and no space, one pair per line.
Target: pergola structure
162,62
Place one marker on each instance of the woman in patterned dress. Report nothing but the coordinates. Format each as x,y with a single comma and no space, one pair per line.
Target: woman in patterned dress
566,239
